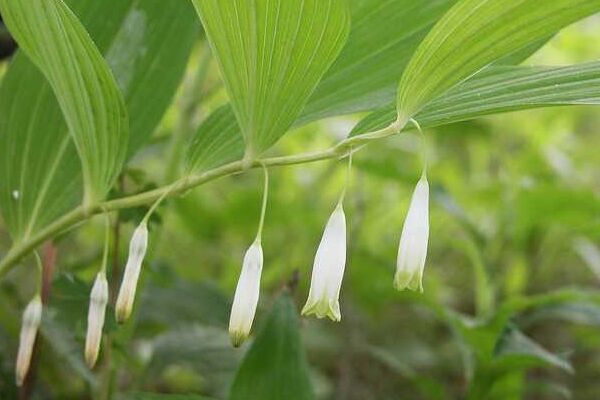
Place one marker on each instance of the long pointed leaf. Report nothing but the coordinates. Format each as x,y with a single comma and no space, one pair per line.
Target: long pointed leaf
275,367
272,54
502,89
92,104
473,34
39,173
383,37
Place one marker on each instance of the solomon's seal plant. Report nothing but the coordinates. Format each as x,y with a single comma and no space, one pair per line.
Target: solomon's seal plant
89,88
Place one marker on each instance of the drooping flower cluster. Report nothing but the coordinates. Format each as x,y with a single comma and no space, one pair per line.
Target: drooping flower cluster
323,298
329,265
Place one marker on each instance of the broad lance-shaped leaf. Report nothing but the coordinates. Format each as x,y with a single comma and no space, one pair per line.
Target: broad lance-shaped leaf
494,90
92,104
272,54
502,89
40,176
515,350
383,37
473,34
217,141
275,367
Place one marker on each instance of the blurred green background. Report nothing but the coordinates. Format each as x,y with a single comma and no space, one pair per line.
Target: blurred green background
511,300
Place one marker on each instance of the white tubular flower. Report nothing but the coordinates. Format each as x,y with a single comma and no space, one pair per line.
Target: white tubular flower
412,251
246,295
328,269
96,312
137,251
32,317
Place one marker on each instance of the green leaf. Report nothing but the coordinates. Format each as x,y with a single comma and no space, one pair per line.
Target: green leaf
86,91
383,37
473,34
40,182
272,55
206,350
199,302
217,141
364,77
515,350
502,89
578,313
275,367
61,339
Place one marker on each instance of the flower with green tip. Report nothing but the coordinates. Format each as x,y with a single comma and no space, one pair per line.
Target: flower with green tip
137,251
412,251
246,295
96,313
32,316
328,269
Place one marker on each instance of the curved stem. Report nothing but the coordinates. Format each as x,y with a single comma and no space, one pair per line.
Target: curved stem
106,244
263,208
170,190
182,185
40,267
347,183
423,147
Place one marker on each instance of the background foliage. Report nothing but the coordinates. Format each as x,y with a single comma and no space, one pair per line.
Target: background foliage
511,302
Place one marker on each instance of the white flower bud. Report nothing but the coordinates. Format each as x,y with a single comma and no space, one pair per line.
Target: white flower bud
328,269
413,241
32,317
137,251
96,312
246,295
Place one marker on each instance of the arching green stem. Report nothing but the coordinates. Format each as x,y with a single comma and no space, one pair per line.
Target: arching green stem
80,214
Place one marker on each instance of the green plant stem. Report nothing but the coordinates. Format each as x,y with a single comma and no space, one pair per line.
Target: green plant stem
184,184
263,208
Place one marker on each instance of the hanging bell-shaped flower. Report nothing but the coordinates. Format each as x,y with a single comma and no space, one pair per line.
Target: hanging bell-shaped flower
137,251
328,269
96,312
412,251
32,317
246,295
